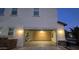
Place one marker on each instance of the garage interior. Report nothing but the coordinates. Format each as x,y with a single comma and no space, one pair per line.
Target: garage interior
39,37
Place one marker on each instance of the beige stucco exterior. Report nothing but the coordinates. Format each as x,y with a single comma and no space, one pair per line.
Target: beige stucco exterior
60,33
26,20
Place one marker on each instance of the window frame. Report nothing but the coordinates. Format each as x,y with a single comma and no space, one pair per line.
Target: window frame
14,12
11,31
36,12
2,11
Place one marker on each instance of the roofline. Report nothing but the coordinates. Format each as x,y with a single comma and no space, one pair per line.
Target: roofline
62,23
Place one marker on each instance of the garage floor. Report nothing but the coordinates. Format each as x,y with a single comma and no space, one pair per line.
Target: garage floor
40,45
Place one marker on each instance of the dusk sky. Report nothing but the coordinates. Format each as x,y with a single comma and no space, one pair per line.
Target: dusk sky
67,15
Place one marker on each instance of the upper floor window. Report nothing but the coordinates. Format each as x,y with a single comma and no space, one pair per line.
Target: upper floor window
14,11
36,11
2,11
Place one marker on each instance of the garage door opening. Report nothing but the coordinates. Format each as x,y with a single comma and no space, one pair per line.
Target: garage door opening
40,36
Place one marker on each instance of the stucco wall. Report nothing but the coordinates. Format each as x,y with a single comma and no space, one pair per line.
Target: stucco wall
19,35
60,32
47,18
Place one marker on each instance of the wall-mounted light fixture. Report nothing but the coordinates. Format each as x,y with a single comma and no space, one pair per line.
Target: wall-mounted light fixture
60,31
20,32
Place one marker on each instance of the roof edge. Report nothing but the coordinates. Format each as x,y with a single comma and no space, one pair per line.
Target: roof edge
62,23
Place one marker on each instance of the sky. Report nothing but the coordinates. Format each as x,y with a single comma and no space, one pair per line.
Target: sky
68,15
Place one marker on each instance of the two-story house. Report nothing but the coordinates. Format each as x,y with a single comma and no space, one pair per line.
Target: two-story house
31,24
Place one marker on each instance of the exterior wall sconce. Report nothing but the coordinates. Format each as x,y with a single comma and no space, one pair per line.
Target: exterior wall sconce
61,32
20,32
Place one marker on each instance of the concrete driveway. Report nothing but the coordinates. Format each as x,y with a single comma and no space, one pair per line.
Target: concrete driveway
40,45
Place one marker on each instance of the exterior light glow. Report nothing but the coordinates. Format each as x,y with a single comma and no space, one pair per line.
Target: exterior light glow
20,31
41,31
60,31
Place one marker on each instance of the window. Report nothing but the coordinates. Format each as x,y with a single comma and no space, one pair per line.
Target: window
14,11
11,31
36,11
2,11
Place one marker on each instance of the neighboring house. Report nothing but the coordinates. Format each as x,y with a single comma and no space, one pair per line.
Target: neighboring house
71,41
32,24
